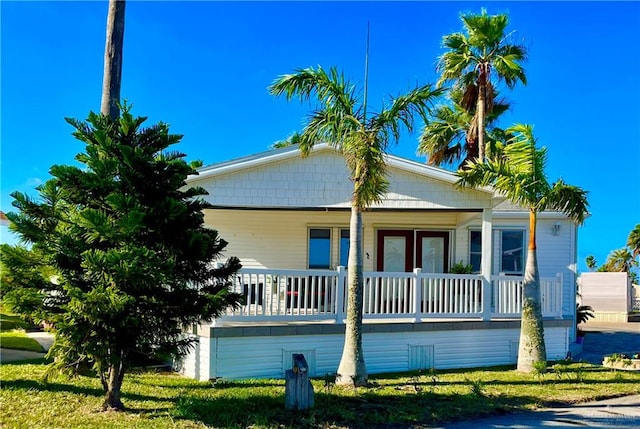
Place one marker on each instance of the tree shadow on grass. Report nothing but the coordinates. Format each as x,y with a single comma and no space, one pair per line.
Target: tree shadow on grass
362,411
33,385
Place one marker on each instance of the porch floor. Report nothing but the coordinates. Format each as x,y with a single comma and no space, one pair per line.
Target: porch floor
364,322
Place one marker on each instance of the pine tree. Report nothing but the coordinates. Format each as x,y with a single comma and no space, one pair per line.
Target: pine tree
119,261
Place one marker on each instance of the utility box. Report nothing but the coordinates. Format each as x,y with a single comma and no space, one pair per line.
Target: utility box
298,391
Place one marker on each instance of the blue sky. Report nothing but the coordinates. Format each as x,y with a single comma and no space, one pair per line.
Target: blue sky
204,68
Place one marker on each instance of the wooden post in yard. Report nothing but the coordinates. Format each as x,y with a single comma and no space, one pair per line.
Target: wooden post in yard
298,391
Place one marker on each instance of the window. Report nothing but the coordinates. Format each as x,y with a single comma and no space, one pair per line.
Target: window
344,247
512,252
319,248
475,250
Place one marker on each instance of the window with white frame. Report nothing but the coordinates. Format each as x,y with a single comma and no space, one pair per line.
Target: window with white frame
512,251
319,248
344,247
475,250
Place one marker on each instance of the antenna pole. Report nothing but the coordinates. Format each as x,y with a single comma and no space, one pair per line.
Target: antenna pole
366,74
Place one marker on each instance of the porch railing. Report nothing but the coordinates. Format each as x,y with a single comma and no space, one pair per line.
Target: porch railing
298,295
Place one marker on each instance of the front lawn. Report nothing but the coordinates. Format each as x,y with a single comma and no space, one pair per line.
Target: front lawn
18,340
167,400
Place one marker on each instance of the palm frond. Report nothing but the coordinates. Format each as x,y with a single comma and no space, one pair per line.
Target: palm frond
633,242
568,199
485,30
331,89
507,63
389,122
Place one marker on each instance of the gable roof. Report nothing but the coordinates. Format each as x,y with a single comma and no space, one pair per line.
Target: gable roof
293,151
282,179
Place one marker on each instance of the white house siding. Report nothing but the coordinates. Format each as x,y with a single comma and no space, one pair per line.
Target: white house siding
197,363
322,180
556,253
278,239
264,356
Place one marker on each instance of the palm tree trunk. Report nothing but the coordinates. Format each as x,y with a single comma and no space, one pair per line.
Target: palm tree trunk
352,370
480,113
113,60
532,347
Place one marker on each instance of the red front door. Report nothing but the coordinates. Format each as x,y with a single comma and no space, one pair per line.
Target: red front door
404,250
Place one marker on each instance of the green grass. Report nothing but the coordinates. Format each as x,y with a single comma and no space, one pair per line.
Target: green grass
18,340
396,400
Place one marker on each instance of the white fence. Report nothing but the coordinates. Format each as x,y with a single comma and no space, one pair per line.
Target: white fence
298,295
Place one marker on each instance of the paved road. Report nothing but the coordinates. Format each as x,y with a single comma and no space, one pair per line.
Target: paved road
44,338
605,338
619,413
9,355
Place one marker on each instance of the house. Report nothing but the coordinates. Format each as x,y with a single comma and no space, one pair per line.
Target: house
287,219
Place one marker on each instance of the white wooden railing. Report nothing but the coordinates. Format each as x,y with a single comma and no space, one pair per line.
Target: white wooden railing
298,295
507,296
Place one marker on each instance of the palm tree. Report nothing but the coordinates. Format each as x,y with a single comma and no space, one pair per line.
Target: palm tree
470,58
292,139
112,77
452,134
620,260
519,174
340,119
591,262
633,242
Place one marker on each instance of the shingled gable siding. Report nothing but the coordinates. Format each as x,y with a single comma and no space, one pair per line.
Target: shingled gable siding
321,180
256,352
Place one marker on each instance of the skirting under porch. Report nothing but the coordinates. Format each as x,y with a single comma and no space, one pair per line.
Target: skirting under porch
265,351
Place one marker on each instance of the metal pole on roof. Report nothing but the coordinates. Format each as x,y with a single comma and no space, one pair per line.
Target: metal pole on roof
366,75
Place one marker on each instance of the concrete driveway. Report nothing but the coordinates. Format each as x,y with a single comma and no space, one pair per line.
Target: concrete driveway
619,413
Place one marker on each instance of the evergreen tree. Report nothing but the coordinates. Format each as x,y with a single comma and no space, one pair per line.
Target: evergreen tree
120,261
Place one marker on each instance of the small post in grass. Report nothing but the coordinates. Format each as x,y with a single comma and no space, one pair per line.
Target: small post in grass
298,391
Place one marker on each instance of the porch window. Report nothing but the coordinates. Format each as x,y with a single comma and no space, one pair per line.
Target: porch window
475,250
512,251
344,247
319,248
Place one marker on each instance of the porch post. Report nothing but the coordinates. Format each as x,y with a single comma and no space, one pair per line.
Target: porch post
417,295
485,262
340,294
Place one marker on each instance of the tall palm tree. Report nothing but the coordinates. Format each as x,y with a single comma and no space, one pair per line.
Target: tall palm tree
112,77
340,119
620,260
451,135
471,57
633,242
519,174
